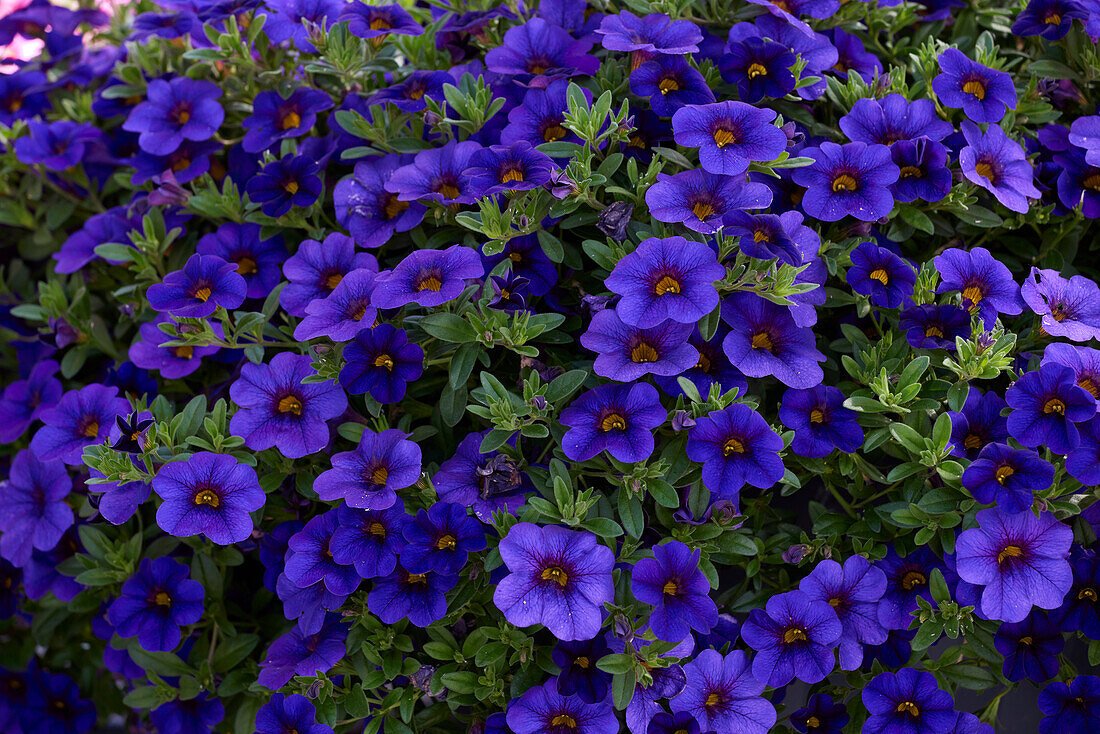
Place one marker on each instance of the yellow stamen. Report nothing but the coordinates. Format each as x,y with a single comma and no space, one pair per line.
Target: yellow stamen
208,497
290,404
756,70
162,599
91,429
643,353
290,120
446,542
291,187
732,446
555,574
379,475
794,635
553,133
723,137
668,84
1003,473
1054,405
984,170
975,87
512,174
667,284
613,422
702,210
844,182
908,707
670,588
385,361
912,580
881,276
429,283
1009,551
762,340
449,191
911,172
377,529
246,266
333,280
564,720
203,294
394,206
817,416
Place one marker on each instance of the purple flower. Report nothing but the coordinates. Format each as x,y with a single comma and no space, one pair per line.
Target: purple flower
294,713
381,361
759,68
1080,611
487,483
276,408
297,653
906,579
276,118
35,514
984,282
285,22
257,259
515,167
672,582
369,539
1069,307
982,93
56,145
309,605
418,597
736,447
1046,404
978,424
558,578
999,165
1083,462
23,96
1008,476
542,710
907,702
78,420
820,716
440,538
853,591
1019,559
1050,19
309,558
1084,133
701,200
820,422
671,278
851,179
653,34
1030,648
78,249
794,636
288,182
765,341
627,352
540,118
1078,183
893,118
768,236
1072,708
174,111
527,259
579,674
172,362
412,93
375,22
617,418
712,368
24,401
440,175
923,172
155,602
208,494
882,276
729,135
206,283
538,48
316,269
723,696
52,705
370,212
814,49
789,10
367,477
428,277
934,326
670,82
344,312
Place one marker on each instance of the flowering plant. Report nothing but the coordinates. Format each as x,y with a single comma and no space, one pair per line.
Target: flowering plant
551,368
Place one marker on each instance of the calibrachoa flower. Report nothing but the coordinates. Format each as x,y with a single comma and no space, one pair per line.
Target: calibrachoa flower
53,705
729,135
516,167
1046,404
724,696
794,636
81,418
275,117
298,653
369,212
174,111
759,68
670,278
853,591
155,602
1072,708
579,674
412,93
440,539
368,477
906,579
820,422
1083,462
369,539
934,326
440,175
291,181
558,578
922,170
381,361
277,409
1018,559
427,277
538,48
1030,648
821,716
1008,476
652,34
983,94
893,118
847,180
542,710
293,713
907,702
701,200
205,284
998,164
257,259
671,83
628,352
765,341
418,597
672,582
1069,307
209,494
56,145
309,558
317,268
35,514
375,22
343,313
983,282
1050,19
24,401
768,236
882,276
1080,611
736,447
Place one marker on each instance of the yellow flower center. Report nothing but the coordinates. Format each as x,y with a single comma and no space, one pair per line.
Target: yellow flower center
972,440
1009,551
723,137
184,352
794,635
290,404
908,707
1003,473
817,416
713,700
208,497
670,588
379,475
613,422
394,206
643,353
1026,640
934,331
416,578
556,574
762,340
973,294
333,280
881,276
1091,182
984,170
428,283
668,84
162,599
1089,386
449,191
290,120
1052,18
384,361
702,210
246,266
564,720
813,723
380,24
761,235
90,429
377,529
732,446
512,174
844,182
203,294
756,70
667,284
975,87
1054,405
1087,593
446,542
291,187
582,662
553,133
912,580
911,172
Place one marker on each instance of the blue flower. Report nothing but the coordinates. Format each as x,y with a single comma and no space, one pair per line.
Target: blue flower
1046,404
672,582
1008,476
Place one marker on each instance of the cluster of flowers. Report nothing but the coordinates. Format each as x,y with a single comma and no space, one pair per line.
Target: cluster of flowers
825,251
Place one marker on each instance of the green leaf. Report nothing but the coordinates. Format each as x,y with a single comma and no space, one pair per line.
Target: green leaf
232,651
448,327
565,385
622,686
161,663
663,492
460,682
603,527
615,663
938,587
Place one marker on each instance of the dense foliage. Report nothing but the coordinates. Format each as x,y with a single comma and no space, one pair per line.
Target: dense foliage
564,368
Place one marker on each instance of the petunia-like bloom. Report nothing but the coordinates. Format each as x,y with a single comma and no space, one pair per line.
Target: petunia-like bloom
628,352
48,704
1018,559
440,538
813,49
291,181
893,118
1080,611
276,118
276,408
440,175
155,602
540,118
81,418
284,20
1009,476
790,10
701,200
1084,133
381,361
412,93
486,483
1046,404
1078,183
1030,648
820,716
736,447
558,578
729,135
934,325
375,22
769,236
1072,708
309,558
58,145
982,93
418,597
984,282
317,268
759,68
1069,307
617,418
999,165
344,312
672,582
882,276
649,36
308,606
538,48
1083,462
257,259
670,83
543,710
369,212
923,172
906,579
282,714
724,696
209,494
299,653
712,368
579,674
515,167
205,283
1050,19
174,111
794,636
367,477
369,540
820,421
851,179
35,513
24,401
765,341
671,278
907,702
853,591
527,259
428,277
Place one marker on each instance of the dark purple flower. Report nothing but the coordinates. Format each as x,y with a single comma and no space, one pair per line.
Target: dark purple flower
978,424
56,145
1078,183
288,182
412,93
487,483
174,111
906,579
418,597
650,35
369,539
617,418
671,278
427,277
286,714
309,558
558,578
316,269
439,175
538,48
161,25
367,477
723,695
982,93
999,165
907,702
23,96
297,653
283,22
276,118
627,352
923,172
1072,708
851,179
381,361
820,716
934,326
1009,476
344,312
206,283
794,637
1030,648
1084,133
257,259
155,602
1069,307
853,591
540,118
893,118
820,422
171,362
24,401
701,201
882,276
375,22
813,49
515,167
712,368
670,83
527,259
35,514
672,582
579,674
542,710
1083,462
211,494
769,236
53,705
440,538
1050,19
759,68
81,418
1046,404
370,212
729,135
983,281
736,447
765,341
